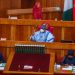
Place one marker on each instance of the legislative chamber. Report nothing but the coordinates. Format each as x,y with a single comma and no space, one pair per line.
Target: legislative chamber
21,19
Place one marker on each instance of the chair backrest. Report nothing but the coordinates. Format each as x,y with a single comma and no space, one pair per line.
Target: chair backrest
59,60
49,28
66,41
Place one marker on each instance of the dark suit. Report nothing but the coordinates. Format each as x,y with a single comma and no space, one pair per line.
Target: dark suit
1,58
68,61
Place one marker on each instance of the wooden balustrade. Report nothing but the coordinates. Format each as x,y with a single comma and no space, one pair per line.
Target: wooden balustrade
15,28
54,45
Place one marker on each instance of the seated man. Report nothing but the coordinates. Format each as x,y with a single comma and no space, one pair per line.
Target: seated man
48,27
42,35
1,58
69,59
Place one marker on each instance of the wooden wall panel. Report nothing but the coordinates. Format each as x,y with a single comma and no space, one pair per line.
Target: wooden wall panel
15,4
23,33
8,4
4,5
0,31
70,34
55,3
27,3
5,32
51,3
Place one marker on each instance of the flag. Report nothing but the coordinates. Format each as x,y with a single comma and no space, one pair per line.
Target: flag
37,11
68,10
74,10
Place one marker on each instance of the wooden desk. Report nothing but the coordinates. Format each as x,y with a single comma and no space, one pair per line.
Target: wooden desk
59,48
9,61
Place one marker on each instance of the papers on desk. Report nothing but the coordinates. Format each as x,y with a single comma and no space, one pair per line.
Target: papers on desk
12,17
2,66
73,69
67,68
28,67
3,39
58,66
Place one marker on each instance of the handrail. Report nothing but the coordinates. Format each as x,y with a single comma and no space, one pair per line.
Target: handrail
4,21
54,45
29,11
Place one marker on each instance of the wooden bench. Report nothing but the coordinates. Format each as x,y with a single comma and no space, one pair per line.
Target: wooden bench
48,12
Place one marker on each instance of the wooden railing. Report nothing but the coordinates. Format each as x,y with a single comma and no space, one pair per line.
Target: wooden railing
58,48
48,13
30,22
29,11
27,27
54,45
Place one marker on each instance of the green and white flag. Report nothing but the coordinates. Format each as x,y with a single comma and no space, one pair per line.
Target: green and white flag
68,10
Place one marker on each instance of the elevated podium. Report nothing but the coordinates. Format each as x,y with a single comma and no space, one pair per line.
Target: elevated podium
30,63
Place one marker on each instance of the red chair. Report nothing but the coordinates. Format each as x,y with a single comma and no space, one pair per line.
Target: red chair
49,28
59,60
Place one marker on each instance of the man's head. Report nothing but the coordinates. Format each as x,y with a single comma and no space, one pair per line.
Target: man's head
43,28
70,54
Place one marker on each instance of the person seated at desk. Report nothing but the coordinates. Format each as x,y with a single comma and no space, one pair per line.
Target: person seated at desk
48,27
1,58
69,59
42,35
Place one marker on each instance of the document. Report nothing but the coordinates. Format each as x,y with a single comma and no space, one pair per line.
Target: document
28,67
2,66
67,68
